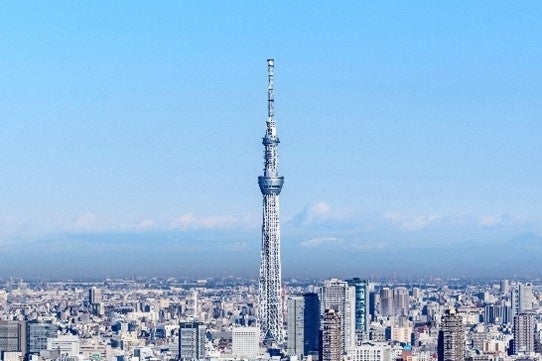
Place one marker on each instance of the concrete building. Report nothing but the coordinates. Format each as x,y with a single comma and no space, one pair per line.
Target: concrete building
331,337
191,341
386,302
524,334
245,342
401,301
303,325
526,297
66,345
341,297
37,333
13,336
451,338
371,351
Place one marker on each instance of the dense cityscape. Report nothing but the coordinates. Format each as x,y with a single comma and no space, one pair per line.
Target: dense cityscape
170,319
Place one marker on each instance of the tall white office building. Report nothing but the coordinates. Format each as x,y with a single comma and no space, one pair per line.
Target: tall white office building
386,301
524,333
526,297
341,297
67,345
372,351
245,342
401,301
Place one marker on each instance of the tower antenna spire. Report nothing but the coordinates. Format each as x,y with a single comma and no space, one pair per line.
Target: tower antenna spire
270,97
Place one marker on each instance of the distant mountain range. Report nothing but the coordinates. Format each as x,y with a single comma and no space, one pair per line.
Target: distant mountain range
207,254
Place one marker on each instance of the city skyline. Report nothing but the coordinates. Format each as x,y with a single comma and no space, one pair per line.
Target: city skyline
131,129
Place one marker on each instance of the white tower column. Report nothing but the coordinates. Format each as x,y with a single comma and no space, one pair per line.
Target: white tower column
269,293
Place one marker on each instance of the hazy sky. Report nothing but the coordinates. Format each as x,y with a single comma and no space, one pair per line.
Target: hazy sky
403,125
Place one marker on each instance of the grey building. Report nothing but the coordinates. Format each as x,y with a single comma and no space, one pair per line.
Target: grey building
191,341
331,336
13,336
303,324
341,297
451,338
524,333
37,333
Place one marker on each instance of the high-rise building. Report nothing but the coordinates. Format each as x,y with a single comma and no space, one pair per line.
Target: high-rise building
504,287
95,301
341,297
401,301
514,300
362,316
37,333
386,301
94,295
522,298
526,297
12,336
303,324
499,314
451,338
524,333
269,295
331,337
245,342
191,341
374,304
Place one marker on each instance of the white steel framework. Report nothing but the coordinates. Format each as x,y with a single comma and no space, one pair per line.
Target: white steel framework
269,295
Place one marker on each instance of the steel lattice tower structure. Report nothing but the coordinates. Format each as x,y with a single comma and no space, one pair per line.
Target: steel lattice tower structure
269,295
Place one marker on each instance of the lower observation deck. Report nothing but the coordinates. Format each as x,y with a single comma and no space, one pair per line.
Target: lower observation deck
270,185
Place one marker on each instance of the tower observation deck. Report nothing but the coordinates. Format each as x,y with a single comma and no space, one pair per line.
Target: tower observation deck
269,292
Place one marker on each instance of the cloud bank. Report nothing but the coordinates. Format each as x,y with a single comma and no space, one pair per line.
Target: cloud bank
320,240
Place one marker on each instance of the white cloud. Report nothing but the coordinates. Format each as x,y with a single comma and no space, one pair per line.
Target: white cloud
321,241
411,223
85,221
489,221
190,221
317,213
145,224
320,209
350,245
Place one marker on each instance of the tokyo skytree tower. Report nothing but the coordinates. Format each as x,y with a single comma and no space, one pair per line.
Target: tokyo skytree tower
269,293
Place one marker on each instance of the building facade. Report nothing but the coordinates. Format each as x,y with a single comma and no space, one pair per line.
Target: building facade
341,297
245,342
13,336
361,307
451,338
37,333
372,351
331,337
524,334
303,324
191,341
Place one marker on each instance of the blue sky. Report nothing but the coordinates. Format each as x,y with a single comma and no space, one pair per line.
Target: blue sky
403,124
